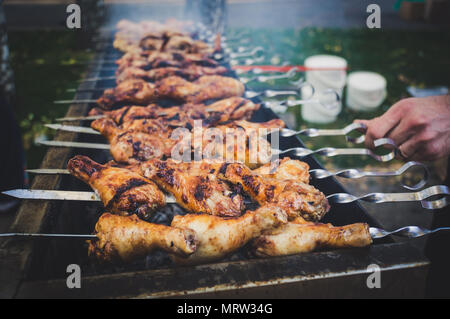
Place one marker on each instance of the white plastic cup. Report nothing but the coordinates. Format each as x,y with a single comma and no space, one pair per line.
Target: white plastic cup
323,80
366,91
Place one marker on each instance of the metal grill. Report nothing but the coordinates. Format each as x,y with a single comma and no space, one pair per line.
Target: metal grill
38,268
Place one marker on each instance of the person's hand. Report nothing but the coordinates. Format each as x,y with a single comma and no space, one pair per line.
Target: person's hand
419,126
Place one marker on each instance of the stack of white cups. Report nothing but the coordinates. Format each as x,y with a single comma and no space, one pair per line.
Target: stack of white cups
323,80
365,91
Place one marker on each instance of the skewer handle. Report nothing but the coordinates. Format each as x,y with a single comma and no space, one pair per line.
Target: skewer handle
422,196
356,174
408,231
331,151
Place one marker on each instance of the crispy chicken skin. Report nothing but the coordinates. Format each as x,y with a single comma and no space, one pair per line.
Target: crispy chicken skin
140,92
133,91
126,238
294,238
157,126
121,190
240,143
153,60
173,41
231,109
142,140
190,73
296,198
281,169
133,146
199,194
218,237
285,168
234,108
207,87
158,38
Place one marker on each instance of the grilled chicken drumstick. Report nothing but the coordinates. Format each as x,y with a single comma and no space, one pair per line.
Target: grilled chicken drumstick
190,73
205,88
296,198
125,238
152,60
294,238
158,40
281,169
146,139
134,146
268,185
218,237
285,169
121,190
233,108
200,194
139,92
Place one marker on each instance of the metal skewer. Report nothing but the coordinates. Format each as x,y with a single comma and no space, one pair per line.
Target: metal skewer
75,101
314,173
329,99
422,196
375,233
87,90
313,132
298,151
75,144
255,52
80,236
275,93
408,231
71,128
79,118
338,198
356,174
284,132
94,79
62,195
331,151
265,78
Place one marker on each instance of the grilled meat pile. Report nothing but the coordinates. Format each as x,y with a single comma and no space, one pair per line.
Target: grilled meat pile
162,62
139,92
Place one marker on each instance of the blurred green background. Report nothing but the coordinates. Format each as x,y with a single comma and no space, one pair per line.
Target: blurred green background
45,64
404,58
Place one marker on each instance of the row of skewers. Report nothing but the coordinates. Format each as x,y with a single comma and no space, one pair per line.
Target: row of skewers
160,63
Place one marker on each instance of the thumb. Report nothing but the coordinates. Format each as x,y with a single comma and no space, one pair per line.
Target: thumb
361,121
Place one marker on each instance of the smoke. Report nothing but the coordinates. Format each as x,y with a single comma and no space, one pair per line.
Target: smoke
144,10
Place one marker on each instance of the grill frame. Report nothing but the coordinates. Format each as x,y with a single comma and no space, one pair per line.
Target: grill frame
25,263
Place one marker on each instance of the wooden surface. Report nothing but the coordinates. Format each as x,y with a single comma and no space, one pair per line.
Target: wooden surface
15,254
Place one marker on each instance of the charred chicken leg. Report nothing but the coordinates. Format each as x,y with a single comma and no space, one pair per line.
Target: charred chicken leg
296,198
125,238
190,73
294,238
234,108
139,92
133,146
218,237
121,190
199,194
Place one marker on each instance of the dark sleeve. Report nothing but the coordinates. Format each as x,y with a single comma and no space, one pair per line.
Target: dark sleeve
12,160
438,252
